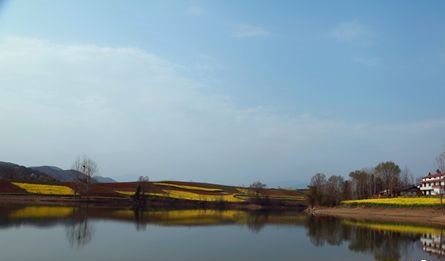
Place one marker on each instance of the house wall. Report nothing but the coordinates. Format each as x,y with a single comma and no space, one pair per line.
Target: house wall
432,185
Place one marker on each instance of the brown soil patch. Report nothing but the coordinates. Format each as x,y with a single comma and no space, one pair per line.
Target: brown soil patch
7,188
418,215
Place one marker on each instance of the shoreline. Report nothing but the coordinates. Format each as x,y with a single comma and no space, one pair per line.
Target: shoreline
150,203
427,215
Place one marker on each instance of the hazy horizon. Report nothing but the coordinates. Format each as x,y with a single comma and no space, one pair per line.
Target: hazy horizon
224,92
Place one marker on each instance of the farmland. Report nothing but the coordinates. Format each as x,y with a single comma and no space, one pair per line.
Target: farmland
394,202
157,191
44,189
205,192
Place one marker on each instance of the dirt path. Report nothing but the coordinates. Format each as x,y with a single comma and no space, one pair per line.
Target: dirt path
417,215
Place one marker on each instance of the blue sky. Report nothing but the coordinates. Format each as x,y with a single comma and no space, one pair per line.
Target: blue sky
223,91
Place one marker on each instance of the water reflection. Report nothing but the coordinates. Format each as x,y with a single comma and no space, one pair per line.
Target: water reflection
80,231
383,241
79,228
434,244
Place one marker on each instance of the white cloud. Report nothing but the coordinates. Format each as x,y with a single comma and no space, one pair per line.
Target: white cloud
247,31
351,32
136,115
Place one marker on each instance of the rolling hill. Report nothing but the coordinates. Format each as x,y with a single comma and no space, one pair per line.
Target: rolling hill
69,175
11,171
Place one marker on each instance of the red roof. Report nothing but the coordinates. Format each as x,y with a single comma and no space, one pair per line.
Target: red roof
435,175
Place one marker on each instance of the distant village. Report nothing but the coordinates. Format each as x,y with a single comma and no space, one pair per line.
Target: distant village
386,180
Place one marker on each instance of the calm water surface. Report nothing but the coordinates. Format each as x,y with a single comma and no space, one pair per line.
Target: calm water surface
41,233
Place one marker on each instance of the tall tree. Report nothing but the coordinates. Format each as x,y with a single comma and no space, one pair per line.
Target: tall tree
362,182
346,190
88,168
441,168
441,162
334,189
317,189
389,172
406,178
256,189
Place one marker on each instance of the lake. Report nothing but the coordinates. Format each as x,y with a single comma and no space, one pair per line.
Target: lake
41,233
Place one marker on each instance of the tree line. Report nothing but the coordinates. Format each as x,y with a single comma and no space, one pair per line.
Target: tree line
386,178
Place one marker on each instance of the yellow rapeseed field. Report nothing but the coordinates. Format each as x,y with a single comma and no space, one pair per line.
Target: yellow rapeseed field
400,201
243,190
131,193
189,195
127,193
44,189
201,197
193,193
187,187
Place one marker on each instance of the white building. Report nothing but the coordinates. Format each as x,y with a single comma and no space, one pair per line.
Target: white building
433,184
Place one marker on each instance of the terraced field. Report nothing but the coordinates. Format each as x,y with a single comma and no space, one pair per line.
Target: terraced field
208,192
191,191
45,189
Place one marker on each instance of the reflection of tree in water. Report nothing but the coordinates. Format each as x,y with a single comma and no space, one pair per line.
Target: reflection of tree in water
257,220
384,245
80,232
140,219
325,230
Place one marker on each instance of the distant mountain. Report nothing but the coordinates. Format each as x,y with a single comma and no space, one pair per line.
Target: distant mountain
60,174
290,184
101,179
68,175
11,171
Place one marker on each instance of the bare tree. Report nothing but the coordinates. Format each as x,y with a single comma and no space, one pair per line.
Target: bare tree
317,190
334,189
361,186
406,178
389,172
79,232
441,162
88,168
256,188
143,179
141,190
441,169
142,185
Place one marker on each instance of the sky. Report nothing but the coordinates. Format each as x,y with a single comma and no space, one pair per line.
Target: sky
223,91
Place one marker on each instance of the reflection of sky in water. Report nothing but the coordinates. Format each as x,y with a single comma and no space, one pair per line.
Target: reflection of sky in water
90,235
120,241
